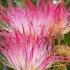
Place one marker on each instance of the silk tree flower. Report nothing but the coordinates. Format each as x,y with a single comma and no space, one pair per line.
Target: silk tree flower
26,33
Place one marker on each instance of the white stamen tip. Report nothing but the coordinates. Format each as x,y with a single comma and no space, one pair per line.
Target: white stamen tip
57,1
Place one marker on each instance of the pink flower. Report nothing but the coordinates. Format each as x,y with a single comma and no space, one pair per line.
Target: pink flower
26,38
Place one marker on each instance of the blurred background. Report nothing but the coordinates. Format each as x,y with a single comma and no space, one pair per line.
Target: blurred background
64,41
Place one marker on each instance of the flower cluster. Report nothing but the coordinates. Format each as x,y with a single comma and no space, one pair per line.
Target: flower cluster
26,33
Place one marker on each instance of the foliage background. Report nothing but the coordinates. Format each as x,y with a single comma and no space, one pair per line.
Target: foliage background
65,41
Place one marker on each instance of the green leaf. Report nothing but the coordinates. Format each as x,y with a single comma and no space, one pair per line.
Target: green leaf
66,40
34,2
4,3
68,67
68,3
1,66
